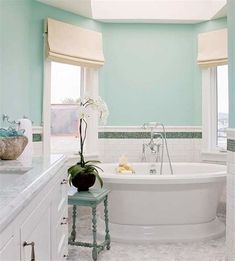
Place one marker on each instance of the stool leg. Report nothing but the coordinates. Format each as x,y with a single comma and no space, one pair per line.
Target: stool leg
73,233
94,250
107,236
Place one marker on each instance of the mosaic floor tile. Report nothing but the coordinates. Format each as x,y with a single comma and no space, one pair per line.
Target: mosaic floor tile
212,250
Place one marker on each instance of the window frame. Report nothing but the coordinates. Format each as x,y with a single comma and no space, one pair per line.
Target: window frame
89,87
217,108
210,151
81,86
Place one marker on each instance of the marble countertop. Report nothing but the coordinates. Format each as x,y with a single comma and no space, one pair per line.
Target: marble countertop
19,181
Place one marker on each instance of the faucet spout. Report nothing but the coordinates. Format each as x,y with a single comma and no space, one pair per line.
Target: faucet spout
156,144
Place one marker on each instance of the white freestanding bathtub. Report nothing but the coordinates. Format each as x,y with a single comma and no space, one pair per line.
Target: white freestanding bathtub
166,208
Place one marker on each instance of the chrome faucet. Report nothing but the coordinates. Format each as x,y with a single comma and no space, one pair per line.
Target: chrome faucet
155,145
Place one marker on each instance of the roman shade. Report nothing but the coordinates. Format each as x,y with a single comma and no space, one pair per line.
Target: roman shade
212,48
73,44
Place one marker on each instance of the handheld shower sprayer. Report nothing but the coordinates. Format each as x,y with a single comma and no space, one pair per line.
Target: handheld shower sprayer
152,144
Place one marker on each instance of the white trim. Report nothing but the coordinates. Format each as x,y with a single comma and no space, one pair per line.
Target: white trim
37,149
46,117
210,150
92,90
141,129
82,82
231,133
37,129
46,107
214,156
89,87
209,115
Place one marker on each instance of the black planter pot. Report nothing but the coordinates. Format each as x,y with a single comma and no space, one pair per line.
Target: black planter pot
83,181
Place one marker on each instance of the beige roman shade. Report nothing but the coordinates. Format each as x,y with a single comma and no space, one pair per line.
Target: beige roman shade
212,48
73,44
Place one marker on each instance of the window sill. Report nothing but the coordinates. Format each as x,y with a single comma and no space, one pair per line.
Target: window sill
73,158
214,156
69,147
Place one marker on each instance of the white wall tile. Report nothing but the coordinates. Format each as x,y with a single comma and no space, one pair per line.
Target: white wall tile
230,219
179,149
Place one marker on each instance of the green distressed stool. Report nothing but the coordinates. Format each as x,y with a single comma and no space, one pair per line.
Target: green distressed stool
90,198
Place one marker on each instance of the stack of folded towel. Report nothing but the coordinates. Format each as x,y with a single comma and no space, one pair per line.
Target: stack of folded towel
124,167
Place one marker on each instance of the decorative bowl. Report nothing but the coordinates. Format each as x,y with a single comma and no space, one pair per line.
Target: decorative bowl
12,147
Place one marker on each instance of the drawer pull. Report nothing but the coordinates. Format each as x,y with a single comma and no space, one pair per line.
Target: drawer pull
65,256
32,249
64,221
64,181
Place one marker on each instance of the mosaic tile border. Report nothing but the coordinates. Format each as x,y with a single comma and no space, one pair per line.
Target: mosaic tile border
37,137
146,135
231,145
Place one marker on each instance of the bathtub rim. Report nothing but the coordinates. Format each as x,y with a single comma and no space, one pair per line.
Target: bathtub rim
215,176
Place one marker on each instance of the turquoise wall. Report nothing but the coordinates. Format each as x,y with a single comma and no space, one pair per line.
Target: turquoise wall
1,58
21,28
150,73
211,25
39,13
15,58
231,54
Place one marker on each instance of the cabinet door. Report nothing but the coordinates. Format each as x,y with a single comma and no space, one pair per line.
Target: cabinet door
36,228
10,251
59,217
60,238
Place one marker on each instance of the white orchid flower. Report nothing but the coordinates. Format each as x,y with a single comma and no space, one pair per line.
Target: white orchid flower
95,104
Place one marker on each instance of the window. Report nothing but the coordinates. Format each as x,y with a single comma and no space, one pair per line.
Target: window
214,112
65,94
64,85
222,105
71,45
66,90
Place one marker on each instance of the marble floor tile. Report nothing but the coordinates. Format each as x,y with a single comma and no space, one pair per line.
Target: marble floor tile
212,250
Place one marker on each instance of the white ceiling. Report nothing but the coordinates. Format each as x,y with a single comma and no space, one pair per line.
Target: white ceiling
144,11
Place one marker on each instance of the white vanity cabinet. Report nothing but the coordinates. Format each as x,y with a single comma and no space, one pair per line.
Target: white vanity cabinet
42,223
10,250
36,230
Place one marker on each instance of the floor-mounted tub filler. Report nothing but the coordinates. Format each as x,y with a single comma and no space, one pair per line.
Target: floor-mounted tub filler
146,206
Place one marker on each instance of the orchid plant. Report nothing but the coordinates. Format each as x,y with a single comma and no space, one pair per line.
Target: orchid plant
84,167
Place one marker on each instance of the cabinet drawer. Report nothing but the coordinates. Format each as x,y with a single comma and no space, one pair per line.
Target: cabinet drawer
64,252
61,236
36,228
60,198
5,235
11,251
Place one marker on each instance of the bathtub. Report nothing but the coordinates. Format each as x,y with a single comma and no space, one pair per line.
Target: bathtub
164,208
